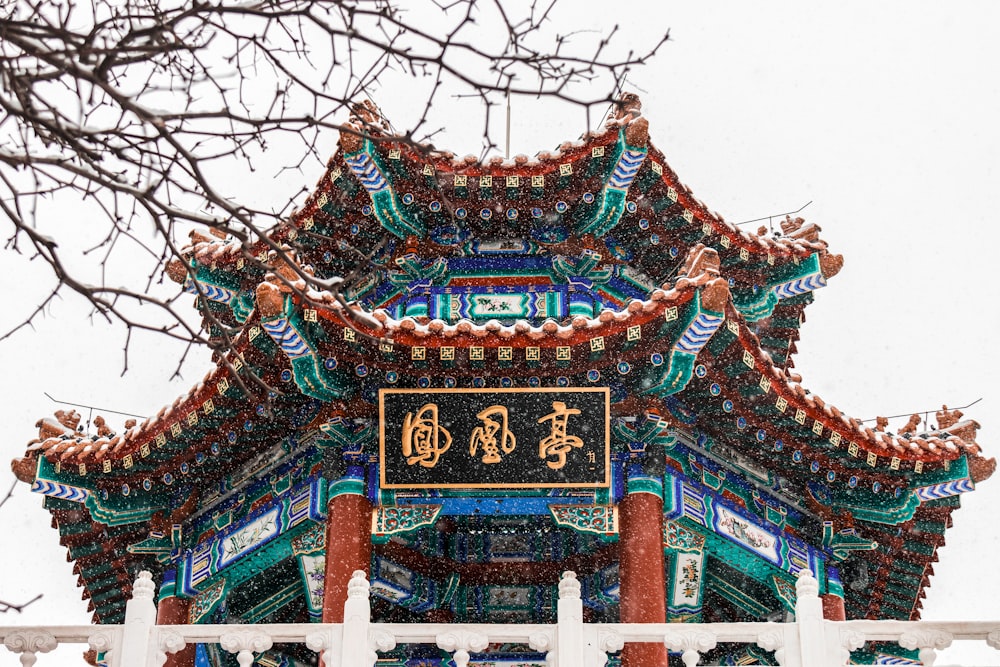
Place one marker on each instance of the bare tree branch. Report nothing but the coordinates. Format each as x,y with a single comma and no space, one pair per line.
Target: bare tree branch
142,111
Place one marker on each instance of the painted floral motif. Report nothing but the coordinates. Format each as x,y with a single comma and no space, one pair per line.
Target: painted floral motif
680,538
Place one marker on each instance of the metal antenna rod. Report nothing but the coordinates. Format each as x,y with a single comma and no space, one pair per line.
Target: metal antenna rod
91,407
507,147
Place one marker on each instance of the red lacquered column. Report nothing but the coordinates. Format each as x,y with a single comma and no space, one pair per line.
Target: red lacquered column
833,607
643,587
348,548
172,610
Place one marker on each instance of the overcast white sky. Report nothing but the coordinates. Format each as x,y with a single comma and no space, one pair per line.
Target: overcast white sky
883,115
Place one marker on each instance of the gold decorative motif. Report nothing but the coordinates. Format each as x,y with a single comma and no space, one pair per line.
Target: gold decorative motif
505,353
310,315
748,359
565,169
872,459
800,416
513,181
670,314
175,429
418,353
428,170
144,450
563,353
394,154
781,404
817,427
634,333
477,353
447,353
533,353
597,344
657,168
192,418
765,384
461,180
486,181
350,335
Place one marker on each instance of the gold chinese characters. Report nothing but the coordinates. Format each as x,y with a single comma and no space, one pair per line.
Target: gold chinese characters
558,443
425,441
485,436
422,437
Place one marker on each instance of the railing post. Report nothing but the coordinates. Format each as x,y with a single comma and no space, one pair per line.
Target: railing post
569,615
140,617
357,619
813,645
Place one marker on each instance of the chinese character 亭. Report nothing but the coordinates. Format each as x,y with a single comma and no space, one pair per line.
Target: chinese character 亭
485,436
424,441
558,443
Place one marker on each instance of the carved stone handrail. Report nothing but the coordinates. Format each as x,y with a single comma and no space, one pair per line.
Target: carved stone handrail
809,641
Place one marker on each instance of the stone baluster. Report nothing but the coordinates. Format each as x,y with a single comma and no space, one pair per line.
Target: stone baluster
460,641
815,649
29,642
140,618
692,642
773,640
244,643
569,631
356,648
926,641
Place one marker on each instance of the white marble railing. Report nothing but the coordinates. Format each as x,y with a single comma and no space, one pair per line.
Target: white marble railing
809,641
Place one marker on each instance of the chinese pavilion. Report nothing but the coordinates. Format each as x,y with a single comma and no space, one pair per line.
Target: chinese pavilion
466,377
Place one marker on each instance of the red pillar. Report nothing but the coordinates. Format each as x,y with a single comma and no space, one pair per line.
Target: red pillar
174,611
643,587
833,607
348,548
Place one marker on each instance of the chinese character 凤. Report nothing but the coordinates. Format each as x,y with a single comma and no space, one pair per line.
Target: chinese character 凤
558,443
485,436
424,441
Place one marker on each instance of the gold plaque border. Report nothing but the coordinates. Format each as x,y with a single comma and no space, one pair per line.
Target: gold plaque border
512,390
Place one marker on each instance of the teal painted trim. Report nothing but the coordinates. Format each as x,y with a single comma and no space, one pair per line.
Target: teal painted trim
347,486
753,309
612,203
651,485
310,374
115,510
385,203
679,370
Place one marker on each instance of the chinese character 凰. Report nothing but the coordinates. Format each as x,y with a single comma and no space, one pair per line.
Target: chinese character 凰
422,437
485,436
558,443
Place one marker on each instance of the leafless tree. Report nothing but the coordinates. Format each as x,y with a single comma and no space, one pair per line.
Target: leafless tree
143,110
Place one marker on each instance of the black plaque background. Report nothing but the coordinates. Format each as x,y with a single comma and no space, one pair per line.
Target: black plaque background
521,468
